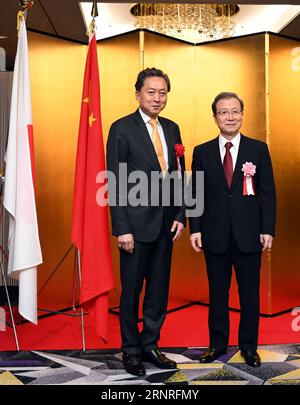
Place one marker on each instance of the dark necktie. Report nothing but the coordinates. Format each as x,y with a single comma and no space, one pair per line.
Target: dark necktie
228,164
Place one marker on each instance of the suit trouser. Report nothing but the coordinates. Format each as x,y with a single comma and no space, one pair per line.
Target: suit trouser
150,262
219,270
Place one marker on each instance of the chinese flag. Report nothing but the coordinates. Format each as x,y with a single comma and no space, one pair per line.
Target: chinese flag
90,221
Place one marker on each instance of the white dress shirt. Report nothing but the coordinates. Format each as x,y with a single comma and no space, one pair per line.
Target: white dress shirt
233,150
146,120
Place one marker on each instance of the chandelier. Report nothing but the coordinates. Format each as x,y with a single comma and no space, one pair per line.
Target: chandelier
194,22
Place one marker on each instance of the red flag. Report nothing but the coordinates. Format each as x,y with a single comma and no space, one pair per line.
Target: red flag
90,221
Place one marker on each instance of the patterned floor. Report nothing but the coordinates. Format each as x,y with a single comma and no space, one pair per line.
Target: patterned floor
280,366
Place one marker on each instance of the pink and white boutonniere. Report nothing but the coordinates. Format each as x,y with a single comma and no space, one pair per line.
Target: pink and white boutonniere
179,150
249,170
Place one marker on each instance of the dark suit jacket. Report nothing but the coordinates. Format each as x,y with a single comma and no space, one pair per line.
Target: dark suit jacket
129,142
224,208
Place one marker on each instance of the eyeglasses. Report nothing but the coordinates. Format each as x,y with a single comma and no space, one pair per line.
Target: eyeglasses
227,113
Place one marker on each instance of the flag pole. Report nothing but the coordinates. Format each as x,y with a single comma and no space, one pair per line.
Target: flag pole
91,31
81,309
90,220
94,14
25,4
9,306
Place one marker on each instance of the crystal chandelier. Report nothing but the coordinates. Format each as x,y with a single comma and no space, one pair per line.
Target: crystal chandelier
194,22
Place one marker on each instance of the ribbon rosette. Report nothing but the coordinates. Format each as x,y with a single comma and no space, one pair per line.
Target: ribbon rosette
249,170
179,150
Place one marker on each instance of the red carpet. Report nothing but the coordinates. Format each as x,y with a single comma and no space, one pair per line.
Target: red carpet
187,327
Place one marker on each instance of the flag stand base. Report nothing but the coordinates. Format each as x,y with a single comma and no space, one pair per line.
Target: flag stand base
2,180
75,303
10,308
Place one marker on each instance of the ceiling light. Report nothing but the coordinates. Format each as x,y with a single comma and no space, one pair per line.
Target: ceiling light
203,22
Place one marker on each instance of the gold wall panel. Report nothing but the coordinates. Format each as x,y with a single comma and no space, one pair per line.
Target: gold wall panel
118,60
235,65
56,84
285,149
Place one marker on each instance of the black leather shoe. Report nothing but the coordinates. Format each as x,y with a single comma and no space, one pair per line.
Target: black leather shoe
133,364
211,355
251,358
157,358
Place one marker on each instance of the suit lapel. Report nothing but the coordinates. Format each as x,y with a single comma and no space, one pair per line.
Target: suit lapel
241,159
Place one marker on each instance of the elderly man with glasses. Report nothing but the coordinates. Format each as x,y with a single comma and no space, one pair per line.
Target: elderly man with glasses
237,224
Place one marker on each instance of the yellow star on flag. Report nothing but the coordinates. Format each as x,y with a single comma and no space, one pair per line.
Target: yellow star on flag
92,119
86,100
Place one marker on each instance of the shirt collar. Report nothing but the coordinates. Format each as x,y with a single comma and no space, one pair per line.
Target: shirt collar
235,141
146,117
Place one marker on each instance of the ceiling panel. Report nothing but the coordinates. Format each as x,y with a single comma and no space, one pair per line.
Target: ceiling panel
292,29
8,23
37,19
66,18
62,18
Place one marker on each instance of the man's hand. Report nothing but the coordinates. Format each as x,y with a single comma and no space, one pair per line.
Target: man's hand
196,241
126,242
178,227
266,240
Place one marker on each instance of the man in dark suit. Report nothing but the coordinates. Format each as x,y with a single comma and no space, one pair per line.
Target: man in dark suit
237,224
145,144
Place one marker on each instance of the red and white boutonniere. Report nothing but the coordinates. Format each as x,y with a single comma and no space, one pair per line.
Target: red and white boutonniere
179,150
249,170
